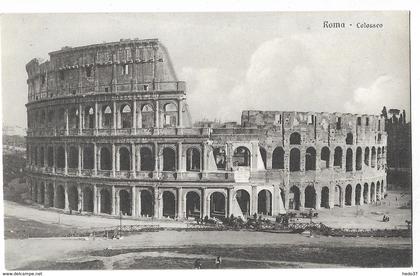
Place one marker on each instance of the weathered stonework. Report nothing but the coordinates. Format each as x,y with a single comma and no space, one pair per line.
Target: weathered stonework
109,131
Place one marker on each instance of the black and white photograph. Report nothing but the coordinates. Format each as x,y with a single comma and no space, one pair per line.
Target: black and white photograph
206,140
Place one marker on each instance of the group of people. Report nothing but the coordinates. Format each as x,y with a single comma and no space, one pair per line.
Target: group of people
385,218
218,263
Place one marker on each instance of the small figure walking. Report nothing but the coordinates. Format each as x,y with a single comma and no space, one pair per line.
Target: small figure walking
197,264
218,261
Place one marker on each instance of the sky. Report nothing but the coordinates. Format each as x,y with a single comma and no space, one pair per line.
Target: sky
283,61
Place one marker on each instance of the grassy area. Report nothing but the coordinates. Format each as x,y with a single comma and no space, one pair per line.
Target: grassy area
15,228
47,265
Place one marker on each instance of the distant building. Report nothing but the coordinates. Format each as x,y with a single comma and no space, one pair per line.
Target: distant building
399,147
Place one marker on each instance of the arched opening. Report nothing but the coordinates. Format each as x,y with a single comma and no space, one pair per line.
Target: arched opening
106,160
295,138
60,203
294,165
283,197
217,205
278,158
348,195
367,156
35,155
126,116
106,202
35,191
147,116
378,191
168,204
89,117
338,157
379,159
337,196
50,157
382,188
50,195
42,193
358,159
125,203
41,156
87,200
146,199
73,158
294,198
263,154
147,162
310,159
220,158
193,160
349,139
373,158
358,194
73,196
73,118
241,157
325,157
193,205
310,197
264,202
325,197
60,157
243,199
366,193
349,160
170,115
107,117
168,159
125,161
372,192
88,156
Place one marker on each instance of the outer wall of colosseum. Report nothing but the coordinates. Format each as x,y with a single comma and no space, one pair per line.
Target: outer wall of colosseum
109,132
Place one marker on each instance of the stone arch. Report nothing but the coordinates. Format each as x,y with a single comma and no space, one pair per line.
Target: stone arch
348,195
169,206
147,116
89,117
378,159
367,156
60,202
325,197
73,157
42,193
366,193
382,188
193,159
278,158
193,204
73,118
358,194
244,202
358,158
50,157
294,198
378,191
217,204
126,116
241,157
87,199
41,156
219,154
125,202
107,117
294,165
125,159
170,115
35,191
310,159
60,157
146,199
88,157
338,157
295,139
337,196
147,162
265,202
106,201
106,159
349,160
372,192
169,159
50,195
263,154
325,157
373,158
310,197
349,139
73,196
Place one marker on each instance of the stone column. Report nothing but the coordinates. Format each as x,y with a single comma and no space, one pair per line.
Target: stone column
96,118
317,199
353,196
156,114
117,159
276,200
254,200
65,159
302,199
80,119
156,152
354,153
114,117
180,113
205,158
133,160
95,159
95,199
133,201
54,158
113,160
180,162
156,213
343,196
204,211
229,154
46,198
343,159
134,122
368,194
181,207
79,162
269,161
66,197
254,155
80,198
66,118
113,199
229,204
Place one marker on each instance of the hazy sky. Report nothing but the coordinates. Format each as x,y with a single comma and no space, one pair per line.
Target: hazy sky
235,61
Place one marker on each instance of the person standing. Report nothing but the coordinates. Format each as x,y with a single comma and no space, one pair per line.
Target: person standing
218,261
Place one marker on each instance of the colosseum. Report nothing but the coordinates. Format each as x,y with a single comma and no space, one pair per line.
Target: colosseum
110,133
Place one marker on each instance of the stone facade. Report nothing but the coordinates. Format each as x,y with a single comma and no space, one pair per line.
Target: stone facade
109,132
